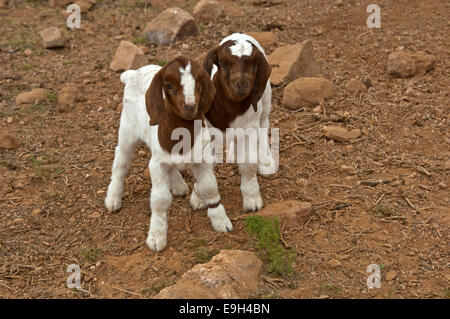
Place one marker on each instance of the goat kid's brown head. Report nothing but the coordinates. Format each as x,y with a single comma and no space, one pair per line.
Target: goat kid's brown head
243,70
182,88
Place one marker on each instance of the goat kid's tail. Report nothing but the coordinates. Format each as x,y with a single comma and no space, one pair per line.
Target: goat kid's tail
126,76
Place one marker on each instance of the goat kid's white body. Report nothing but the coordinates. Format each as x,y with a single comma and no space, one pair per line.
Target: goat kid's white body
252,200
166,178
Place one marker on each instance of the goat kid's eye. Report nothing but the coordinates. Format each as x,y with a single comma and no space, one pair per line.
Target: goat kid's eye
171,89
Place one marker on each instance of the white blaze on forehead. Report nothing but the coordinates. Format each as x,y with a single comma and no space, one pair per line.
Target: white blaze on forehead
188,84
241,47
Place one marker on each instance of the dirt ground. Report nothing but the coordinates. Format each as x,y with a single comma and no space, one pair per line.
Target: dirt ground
52,187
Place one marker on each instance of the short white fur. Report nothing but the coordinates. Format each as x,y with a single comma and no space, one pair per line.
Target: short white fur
187,81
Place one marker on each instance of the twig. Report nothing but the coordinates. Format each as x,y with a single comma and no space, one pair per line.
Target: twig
423,170
379,199
292,145
128,292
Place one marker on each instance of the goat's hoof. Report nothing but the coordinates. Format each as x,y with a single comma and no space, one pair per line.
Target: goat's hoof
252,203
113,204
179,189
196,202
156,240
219,219
267,169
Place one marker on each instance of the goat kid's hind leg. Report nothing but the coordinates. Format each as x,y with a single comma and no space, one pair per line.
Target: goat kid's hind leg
122,159
178,186
206,193
160,200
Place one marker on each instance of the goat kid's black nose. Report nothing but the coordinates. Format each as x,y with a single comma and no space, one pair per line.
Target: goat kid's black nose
241,84
189,108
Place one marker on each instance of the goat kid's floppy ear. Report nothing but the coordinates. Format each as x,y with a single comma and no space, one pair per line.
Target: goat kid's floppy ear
263,72
207,95
211,58
154,100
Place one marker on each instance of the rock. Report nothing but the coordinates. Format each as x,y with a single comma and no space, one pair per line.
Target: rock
171,25
293,61
31,97
28,52
292,213
266,39
333,263
94,215
8,141
84,5
36,211
229,275
231,9
347,170
391,275
52,38
208,10
9,120
67,98
405,64
18,220
128,56
341,134
160,4
355,86
301,292
307,92
59,3
442,185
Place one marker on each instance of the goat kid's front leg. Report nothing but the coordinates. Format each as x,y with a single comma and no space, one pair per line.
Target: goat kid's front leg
206,194
251,197
160,200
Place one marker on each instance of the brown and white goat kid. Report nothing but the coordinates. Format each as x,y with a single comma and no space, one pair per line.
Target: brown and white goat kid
240,73
170,97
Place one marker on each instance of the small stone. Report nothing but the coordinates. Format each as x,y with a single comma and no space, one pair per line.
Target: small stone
18,220
341,134
333,263
28,52
147,173
391,275
171,25
266,39
405,64
347,170
84,5
9,120
52,38
8,141
119,107
208,10
229,275
355,86
160,4
94,215
293,61
36,211
67,98
59,3
292,212
307,92
31,97
231,9
128,57
442,185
